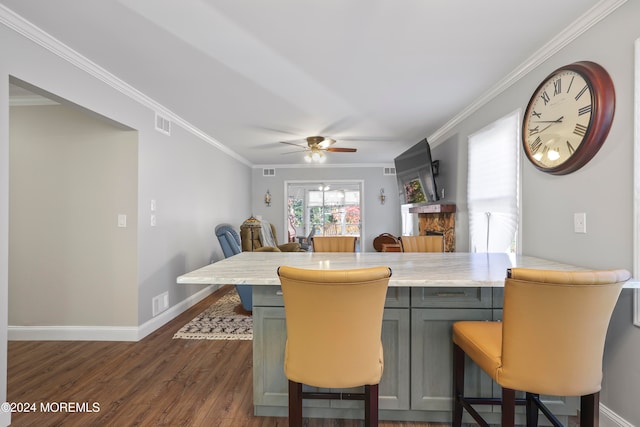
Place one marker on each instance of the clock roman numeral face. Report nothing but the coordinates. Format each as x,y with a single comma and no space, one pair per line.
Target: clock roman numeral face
557,119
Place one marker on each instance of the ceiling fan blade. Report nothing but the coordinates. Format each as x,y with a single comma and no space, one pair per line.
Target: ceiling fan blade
294,152
326,143
295,145
341,150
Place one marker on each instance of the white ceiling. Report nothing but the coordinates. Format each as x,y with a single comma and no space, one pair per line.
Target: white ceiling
377,75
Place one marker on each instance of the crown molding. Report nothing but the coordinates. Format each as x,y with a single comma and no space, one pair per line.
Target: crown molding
40,37
573,31
325,165
28,30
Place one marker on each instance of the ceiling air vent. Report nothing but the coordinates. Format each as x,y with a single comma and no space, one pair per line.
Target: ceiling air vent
163,124
268,172
389,171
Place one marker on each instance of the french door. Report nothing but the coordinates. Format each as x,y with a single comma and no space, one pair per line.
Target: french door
329,208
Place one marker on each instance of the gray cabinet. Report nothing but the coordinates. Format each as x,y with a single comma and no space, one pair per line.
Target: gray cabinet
269,382
431,345
416,336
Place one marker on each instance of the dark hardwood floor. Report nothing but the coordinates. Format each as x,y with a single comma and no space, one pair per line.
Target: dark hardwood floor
157,381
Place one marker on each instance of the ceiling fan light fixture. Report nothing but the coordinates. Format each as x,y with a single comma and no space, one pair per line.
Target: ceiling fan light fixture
315,156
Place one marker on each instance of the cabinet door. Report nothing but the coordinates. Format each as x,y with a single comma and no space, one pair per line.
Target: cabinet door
270,386
394,385
431,359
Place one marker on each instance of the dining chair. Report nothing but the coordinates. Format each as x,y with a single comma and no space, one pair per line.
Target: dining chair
305,242
550,341
431,243
334,243
334,327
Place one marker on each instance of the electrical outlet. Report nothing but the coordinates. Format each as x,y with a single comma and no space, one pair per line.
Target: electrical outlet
159,303
580,223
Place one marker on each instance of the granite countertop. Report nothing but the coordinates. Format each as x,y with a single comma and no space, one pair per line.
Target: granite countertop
408,269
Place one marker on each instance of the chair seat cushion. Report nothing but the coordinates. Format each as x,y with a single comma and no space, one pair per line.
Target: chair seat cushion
482,342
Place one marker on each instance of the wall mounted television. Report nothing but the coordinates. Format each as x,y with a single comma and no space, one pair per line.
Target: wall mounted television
415,173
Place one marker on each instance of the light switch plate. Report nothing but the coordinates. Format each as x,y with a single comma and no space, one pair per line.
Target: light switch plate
580,222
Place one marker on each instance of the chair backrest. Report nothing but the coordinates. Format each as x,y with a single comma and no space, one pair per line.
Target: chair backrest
422,243
554,328
334,243
334,325
258,233
305,243
229,240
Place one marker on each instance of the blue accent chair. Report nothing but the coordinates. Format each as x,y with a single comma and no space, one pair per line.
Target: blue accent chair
230,243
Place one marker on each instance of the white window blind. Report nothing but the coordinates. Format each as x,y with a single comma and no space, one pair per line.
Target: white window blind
492,190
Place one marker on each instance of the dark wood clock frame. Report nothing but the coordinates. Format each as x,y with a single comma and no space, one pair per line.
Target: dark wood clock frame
603,110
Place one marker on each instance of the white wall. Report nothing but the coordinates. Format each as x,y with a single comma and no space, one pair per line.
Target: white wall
603,189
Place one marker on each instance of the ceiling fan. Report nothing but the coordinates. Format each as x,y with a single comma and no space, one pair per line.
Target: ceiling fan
316,146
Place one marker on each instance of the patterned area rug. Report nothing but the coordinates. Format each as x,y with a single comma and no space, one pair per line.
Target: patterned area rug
223,320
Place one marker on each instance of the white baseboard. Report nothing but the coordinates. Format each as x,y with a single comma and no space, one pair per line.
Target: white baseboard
105,333
608,418
171,313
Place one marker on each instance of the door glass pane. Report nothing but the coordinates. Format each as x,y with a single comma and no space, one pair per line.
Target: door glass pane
325,209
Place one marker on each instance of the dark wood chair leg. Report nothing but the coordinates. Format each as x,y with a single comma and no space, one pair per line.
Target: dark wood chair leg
295,404
590,410
508,407
371,405
532,410
458,385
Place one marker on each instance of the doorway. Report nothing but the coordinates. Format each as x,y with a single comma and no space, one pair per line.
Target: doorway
73,173
325,208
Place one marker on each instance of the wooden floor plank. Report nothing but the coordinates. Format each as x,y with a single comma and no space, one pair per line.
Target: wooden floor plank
157,381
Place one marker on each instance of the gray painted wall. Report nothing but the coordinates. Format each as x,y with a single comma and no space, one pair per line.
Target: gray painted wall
71,176
603,189
377,218
195,184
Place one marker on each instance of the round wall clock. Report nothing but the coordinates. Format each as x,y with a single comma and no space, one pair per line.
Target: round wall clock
568,117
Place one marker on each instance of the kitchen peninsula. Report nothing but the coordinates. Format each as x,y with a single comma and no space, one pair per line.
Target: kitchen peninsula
427,293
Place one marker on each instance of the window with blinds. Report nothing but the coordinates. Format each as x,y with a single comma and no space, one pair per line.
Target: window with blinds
493,186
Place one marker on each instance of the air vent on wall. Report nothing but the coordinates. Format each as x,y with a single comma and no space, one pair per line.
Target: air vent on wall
389,171
163,124
268,172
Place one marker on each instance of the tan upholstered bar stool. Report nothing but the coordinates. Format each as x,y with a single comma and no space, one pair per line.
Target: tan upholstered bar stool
422,243
334,329
334,243
550,341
